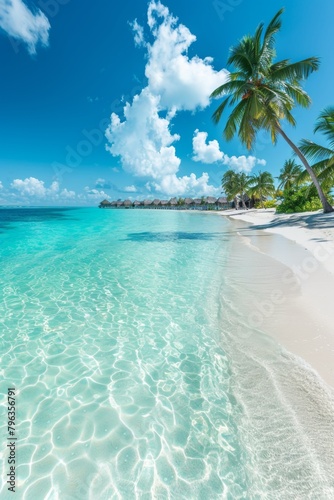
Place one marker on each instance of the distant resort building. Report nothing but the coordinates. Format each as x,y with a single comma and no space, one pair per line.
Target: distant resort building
204,203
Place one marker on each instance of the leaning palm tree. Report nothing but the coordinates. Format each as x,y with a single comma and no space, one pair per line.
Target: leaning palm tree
262,186
263,92
324,156
290,175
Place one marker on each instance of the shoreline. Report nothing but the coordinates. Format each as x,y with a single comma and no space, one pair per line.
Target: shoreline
295,307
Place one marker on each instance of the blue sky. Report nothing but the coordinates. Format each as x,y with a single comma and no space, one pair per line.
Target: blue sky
94,105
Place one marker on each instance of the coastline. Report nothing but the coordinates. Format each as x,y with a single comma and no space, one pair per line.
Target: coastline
294,302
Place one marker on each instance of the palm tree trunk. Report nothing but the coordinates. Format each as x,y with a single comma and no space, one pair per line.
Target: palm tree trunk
325,204
243,202
236,203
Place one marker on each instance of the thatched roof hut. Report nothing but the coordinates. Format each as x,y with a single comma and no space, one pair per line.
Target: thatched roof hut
119,203
127,203
189,201
223,202
104,204
210,200
156,202
197,201
164,203
136,203
113,203
173,202
147,203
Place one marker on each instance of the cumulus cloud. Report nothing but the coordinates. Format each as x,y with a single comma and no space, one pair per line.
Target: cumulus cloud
18,21
93,194
209,152
33,187
130,189
203,151
242,163
183,83
176,186
143,139
32,190
69,195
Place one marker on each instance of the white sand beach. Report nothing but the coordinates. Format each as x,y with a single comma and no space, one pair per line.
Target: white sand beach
292,293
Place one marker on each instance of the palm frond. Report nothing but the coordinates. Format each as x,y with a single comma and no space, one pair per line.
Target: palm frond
314,151
235,120
273,27
219,111
296,71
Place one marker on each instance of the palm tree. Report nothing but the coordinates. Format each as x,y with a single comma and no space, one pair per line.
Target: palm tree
262,185
229,184
263,93
243,183
324,156
289,175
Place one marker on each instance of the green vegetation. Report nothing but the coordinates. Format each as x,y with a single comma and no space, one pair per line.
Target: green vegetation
267,204
324,156
240,185
262,186
300,199
263,93
290,175
236,184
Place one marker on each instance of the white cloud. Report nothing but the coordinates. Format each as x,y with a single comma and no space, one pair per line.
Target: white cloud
21,23
210,153
242,163
130,189
31,190
182,83
93,194
203,152
143,139
102,184
139,33
190,185
30,186
69,195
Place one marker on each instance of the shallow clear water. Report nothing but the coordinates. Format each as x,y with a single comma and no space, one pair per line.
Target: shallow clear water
119,333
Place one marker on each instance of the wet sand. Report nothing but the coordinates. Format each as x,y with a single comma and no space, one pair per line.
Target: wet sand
287,293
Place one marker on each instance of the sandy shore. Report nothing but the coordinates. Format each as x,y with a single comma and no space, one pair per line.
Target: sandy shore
296,301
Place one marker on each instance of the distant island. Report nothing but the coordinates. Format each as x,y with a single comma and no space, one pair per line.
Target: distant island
204,203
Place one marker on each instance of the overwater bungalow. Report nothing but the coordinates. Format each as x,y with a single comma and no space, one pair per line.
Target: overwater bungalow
156,203
128,203
223,204
105,204
189,202
208,203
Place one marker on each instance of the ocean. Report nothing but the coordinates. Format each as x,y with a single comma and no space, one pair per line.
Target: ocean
136,374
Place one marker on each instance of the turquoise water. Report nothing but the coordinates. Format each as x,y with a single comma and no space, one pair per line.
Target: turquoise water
118,333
